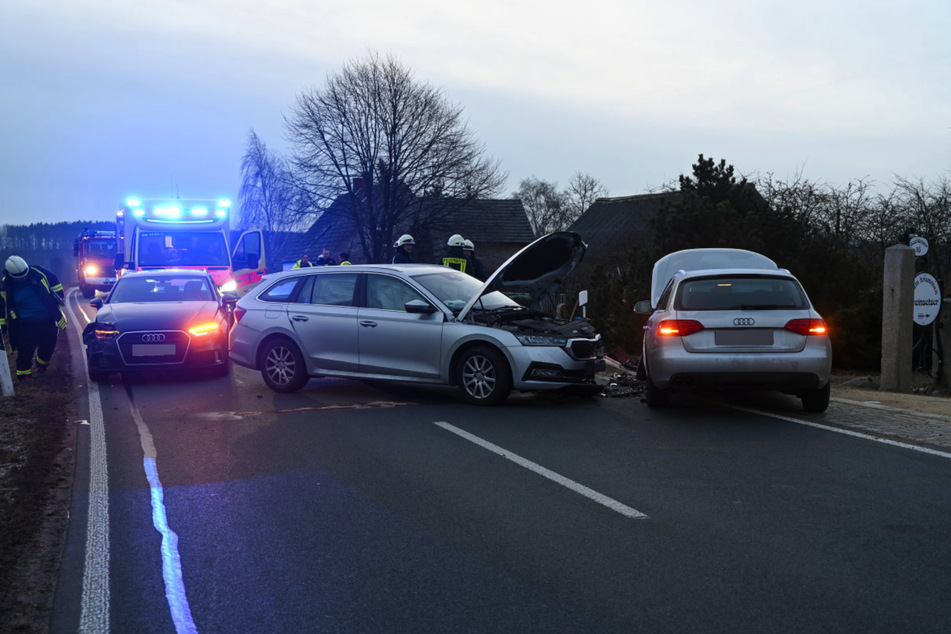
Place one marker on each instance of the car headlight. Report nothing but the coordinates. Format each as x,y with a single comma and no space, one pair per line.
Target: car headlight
230,285
205,329
106,334
541,340
91,269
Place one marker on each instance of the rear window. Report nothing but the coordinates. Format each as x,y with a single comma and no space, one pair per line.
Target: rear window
740,293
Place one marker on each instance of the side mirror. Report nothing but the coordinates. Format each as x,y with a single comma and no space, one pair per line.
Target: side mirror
229,298
118,262
419,306
96,303
643,307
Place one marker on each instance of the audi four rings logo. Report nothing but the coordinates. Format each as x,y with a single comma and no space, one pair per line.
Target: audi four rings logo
153,337
743,321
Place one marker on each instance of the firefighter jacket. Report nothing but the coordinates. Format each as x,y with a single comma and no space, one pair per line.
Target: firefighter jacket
455,259
47,287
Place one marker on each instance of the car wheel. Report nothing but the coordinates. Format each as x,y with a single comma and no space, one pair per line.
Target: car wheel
98,375
483,376
817,400
655,396
282,366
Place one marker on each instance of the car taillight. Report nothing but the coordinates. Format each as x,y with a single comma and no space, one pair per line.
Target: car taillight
239,313
807,327
678,327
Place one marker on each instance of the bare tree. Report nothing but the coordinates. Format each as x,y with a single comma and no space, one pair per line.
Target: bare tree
382,140
583,189
543,203
269,199
549,209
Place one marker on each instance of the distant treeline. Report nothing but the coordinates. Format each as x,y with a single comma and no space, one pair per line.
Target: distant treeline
48,244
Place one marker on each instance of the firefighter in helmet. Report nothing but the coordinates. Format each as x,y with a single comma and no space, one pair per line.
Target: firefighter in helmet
454,258
404,250
31,313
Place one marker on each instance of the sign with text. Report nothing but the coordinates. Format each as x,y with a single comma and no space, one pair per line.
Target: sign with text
927,299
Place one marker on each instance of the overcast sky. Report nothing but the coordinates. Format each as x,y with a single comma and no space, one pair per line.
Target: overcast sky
106,99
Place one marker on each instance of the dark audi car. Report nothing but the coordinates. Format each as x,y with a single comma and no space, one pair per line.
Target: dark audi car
159,320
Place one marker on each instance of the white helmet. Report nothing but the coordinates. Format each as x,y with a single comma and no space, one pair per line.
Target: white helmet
16,266
404,239
456,240
468,245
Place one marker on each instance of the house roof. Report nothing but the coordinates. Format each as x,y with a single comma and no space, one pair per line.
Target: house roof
613,225
493,220
482,221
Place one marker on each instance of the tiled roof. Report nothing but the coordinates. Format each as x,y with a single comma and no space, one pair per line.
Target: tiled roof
613,225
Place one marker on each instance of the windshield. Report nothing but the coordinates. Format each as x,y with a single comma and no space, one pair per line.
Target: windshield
455,289
183,248
101,248
161,289
740,293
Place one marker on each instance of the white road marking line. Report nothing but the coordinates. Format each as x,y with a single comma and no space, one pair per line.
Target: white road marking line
847,432
94,613
888,408
604,500
171,560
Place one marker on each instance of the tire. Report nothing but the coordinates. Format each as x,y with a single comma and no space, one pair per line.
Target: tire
97,375
483,376
282,366
88,291
817,400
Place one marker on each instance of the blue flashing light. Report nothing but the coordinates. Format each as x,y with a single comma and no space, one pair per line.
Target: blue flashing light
199,212
224,203
138,212
133,202
221,213
168,211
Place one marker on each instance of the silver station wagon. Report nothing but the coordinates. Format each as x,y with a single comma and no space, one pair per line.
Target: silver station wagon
423,324
723,317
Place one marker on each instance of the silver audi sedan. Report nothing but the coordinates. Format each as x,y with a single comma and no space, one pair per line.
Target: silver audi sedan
423,324
725,317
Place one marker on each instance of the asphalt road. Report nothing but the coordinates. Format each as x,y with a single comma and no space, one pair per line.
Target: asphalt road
350,508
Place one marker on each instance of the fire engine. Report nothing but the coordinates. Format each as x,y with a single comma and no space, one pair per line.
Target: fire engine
95,252
187,234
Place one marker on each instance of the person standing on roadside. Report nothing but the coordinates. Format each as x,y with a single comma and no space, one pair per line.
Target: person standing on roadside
474,266
404,250
454,258
304,262
345,259
325,259
31,313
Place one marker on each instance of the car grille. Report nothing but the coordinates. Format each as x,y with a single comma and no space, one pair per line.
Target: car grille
153,347
584,348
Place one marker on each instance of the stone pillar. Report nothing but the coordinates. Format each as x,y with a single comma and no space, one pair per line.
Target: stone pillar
898,302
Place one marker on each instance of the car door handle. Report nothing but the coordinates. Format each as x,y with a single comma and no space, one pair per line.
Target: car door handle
368,324
299,318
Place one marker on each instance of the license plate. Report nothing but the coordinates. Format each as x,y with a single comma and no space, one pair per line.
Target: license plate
744,337
153,349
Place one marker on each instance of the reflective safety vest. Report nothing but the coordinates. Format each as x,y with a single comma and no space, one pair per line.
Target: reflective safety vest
455,263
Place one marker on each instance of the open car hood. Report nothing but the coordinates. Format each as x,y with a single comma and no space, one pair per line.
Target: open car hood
537,270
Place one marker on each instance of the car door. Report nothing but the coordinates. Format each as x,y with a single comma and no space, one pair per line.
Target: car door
325,320
393,341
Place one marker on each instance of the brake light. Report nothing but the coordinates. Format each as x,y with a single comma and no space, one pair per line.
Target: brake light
678,327
239,313
807,327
